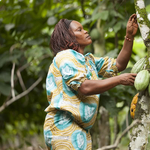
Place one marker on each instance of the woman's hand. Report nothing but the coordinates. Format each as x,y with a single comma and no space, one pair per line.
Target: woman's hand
132,26
90,87
127,78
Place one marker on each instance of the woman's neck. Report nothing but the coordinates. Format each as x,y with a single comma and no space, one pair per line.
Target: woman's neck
80,50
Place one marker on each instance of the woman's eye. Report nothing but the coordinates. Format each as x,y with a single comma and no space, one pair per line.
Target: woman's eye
79,29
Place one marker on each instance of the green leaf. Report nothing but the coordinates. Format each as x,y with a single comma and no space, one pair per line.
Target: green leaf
116,14
109,103
117,27
102,15
112,53
34,41
5,88
7,57
5,77
148,8
86,21
147,2
69,10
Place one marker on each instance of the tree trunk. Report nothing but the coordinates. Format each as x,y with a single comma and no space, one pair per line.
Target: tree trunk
139,136
104,128
99,44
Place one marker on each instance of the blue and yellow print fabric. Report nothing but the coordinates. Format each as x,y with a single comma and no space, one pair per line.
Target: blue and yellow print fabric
70,115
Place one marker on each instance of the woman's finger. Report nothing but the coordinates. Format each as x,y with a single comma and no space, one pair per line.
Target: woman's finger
134,74
131,82
132,16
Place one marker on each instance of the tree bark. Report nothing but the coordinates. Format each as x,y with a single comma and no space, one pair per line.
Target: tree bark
144,24
104,128
139,136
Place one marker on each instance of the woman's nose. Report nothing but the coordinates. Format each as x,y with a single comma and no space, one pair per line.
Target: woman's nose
85,31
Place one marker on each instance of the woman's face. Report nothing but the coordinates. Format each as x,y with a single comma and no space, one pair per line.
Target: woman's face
81,35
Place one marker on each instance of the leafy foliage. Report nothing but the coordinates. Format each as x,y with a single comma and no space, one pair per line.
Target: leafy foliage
25,31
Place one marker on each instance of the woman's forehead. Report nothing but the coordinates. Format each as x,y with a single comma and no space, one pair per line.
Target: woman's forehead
75,24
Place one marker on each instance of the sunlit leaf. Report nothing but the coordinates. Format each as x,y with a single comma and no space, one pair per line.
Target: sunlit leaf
51,20
9,26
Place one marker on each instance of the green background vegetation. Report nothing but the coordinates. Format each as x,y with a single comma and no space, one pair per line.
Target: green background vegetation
25,30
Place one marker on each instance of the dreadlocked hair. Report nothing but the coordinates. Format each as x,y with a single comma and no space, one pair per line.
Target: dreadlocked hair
63,38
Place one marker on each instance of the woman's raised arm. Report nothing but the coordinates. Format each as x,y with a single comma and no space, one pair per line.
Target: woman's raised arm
125,53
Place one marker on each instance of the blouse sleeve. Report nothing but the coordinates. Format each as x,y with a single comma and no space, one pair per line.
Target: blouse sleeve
71,65
106,66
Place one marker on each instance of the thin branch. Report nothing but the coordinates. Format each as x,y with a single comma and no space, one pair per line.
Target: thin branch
127,124
22,83
115,145
13,70
12,80
20,95
20,77
23,67
115,127
82,8
40,148
21,80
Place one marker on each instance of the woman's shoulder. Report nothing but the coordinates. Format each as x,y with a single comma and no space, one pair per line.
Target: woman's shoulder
69,52
90,56
69,55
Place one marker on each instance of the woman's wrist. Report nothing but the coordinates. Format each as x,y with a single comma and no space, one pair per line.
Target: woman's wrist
129,38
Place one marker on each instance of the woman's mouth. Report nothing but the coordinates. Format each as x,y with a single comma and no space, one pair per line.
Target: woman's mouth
88,37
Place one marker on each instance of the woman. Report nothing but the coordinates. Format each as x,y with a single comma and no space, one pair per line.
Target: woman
73,85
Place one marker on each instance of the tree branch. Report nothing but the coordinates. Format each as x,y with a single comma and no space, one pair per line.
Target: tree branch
20,95
12,80
13,69
127,124
22,83
115,145
82,8
23,67
143,22
21,80
20,77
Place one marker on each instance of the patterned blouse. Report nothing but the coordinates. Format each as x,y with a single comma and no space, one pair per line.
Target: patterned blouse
66,74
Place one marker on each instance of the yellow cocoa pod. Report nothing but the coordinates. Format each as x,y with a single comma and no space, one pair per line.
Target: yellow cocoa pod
133,105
